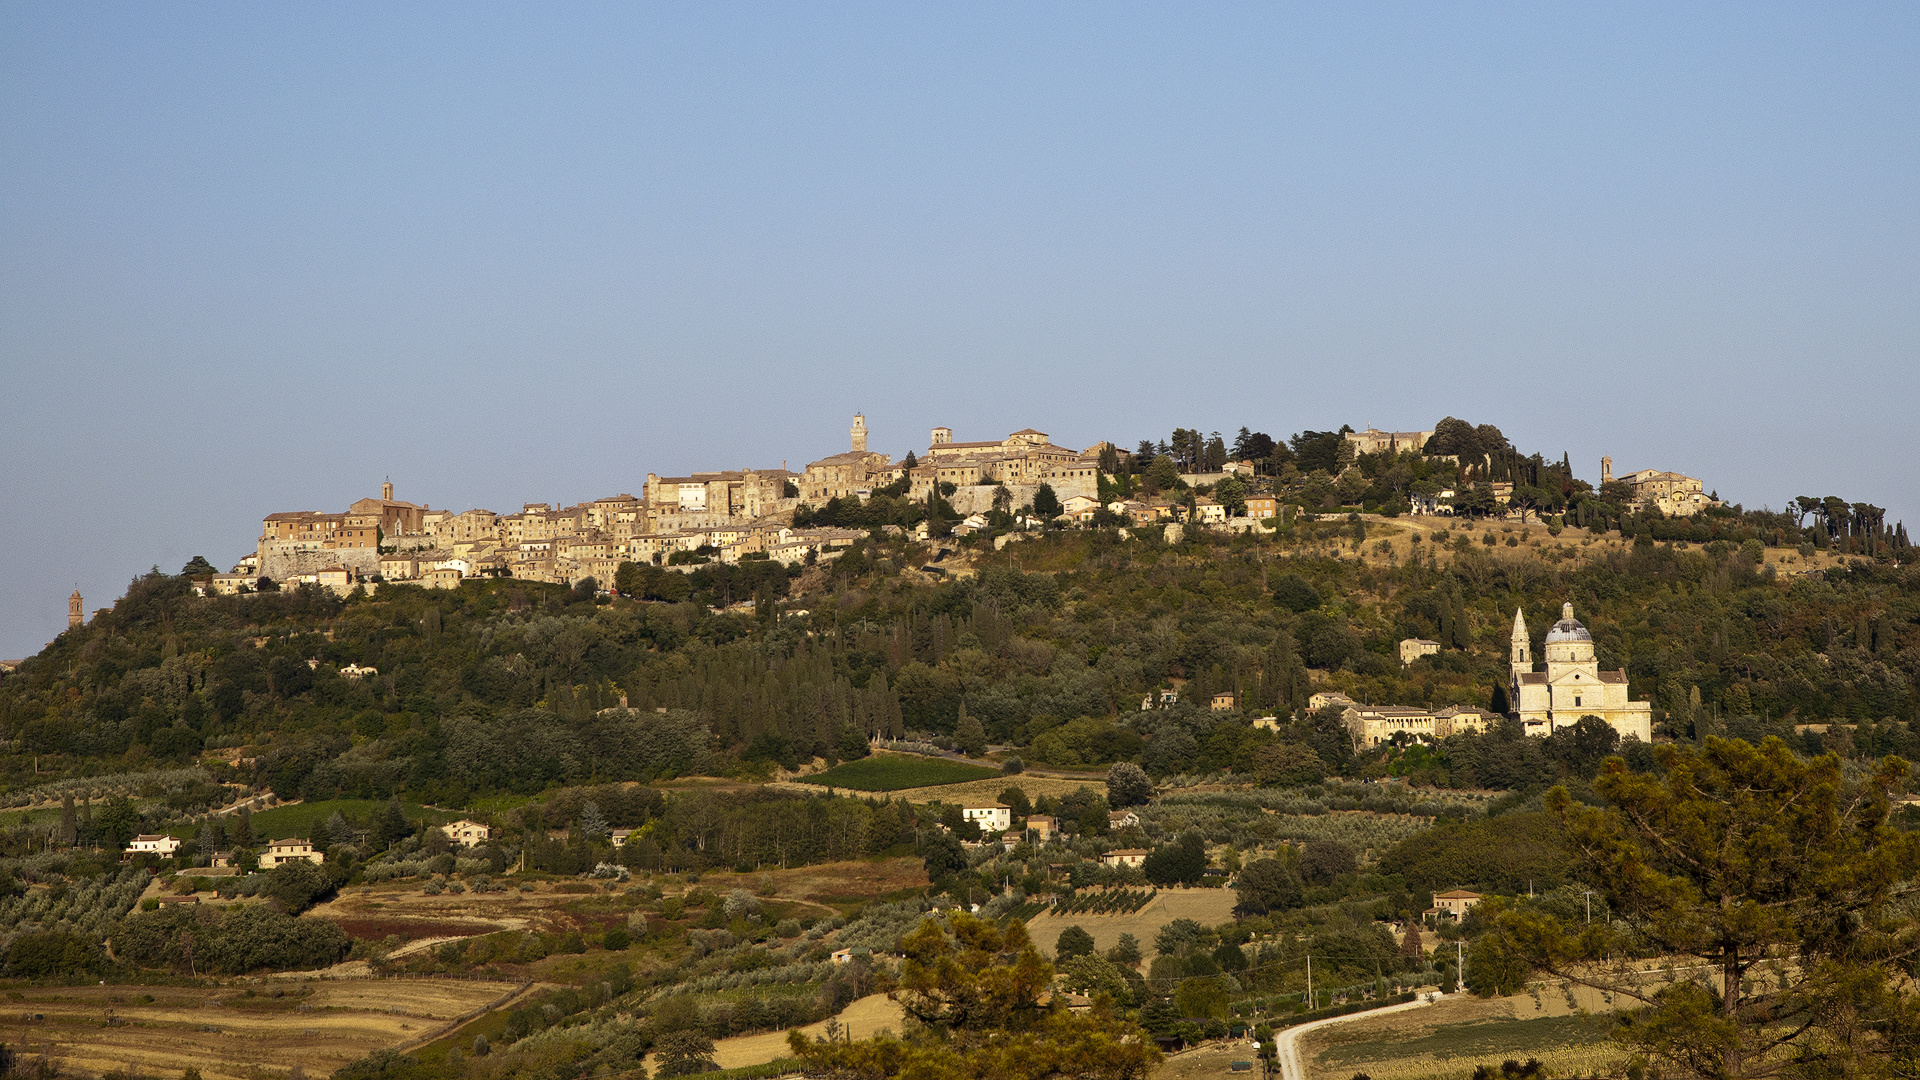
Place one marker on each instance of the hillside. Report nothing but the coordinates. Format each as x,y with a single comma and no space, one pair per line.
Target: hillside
557,715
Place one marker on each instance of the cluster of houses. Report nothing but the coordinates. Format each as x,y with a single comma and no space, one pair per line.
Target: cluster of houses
292,849
730,515
277,853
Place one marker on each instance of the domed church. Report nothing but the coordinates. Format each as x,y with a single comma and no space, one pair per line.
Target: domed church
1573,685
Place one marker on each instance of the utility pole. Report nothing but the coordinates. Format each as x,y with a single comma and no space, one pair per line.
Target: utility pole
1460,964
1589,895
1309,980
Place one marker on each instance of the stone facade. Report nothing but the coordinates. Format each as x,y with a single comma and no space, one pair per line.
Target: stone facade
1573,685
1668,492
1372,441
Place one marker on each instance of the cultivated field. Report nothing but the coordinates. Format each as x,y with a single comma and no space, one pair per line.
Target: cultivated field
1449,1038
897,772
239,1031
1207,906
987,791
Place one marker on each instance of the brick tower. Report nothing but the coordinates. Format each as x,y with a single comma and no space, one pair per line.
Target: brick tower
75,613
859,433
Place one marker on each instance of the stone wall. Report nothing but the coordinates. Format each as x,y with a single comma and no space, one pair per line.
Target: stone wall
278,562
978,498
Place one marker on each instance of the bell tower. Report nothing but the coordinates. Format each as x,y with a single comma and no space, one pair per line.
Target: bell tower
859,433
1521,656
76,612
1606,470
386,491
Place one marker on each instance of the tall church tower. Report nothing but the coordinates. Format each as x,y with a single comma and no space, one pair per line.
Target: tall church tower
386,491
859,433
1521,657
1606,470
75,611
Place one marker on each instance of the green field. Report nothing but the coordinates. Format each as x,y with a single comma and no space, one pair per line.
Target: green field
301,818
887,772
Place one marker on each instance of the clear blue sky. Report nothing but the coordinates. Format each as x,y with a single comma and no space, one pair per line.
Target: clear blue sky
257,257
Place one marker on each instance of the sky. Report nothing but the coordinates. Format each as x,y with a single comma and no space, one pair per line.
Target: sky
262,257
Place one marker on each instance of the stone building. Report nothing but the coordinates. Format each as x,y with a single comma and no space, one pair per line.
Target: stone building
1573,685
671,503
1373,441
1371,725
850,474
1412,649
1670,493
1021,462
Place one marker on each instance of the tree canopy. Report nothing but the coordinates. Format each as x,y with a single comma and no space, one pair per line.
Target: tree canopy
1780,876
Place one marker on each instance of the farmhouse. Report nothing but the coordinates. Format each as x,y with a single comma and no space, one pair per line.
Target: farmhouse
992,818
281,852
163,846
466,833
1129,857
1454,904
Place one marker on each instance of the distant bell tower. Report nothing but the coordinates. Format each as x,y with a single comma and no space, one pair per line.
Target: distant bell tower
1606,471
1522,655
386,491
75,611
859,433
942,436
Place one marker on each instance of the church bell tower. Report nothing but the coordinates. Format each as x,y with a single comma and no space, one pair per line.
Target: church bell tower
76,613
859,433
1521,657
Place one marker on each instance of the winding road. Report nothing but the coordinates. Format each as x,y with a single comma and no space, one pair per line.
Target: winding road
1287,1043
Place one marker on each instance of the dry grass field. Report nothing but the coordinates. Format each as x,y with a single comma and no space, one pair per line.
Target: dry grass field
224,1032
862,1020
1207,906
834,886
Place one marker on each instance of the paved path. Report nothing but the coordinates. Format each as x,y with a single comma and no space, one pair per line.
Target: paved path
1288,1049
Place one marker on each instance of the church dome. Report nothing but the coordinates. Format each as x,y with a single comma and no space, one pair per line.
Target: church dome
1568,628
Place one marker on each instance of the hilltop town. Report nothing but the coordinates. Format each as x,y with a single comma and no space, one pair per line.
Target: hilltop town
727,516
667,776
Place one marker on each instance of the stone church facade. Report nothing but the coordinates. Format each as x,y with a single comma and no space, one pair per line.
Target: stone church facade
1573,685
